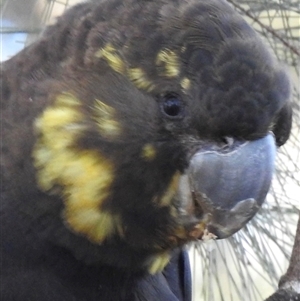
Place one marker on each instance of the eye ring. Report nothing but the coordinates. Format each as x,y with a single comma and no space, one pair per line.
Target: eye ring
172,105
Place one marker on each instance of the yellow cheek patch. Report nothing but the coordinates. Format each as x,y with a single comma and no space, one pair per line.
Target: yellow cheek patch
85,176
170,192
138,77
109,53
169,60
149,152
158,263
105,117
185,84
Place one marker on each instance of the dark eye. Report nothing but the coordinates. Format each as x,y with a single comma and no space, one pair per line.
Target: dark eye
172,105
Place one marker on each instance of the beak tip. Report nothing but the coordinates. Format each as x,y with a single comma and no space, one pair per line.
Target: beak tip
226,223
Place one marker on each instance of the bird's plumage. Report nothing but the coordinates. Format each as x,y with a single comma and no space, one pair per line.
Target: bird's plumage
100,118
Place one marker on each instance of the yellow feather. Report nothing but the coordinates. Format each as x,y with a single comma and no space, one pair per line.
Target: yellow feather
185,83
148,152
109,53
105,117
170,192
139,79
158,263
170,61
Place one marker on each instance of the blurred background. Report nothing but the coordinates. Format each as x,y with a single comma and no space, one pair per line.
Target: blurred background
248,265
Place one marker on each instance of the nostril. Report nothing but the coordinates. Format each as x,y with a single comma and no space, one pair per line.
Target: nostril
227,141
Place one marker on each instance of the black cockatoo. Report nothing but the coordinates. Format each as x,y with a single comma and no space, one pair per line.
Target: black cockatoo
129,129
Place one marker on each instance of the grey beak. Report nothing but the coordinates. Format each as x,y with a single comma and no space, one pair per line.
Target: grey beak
228,186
